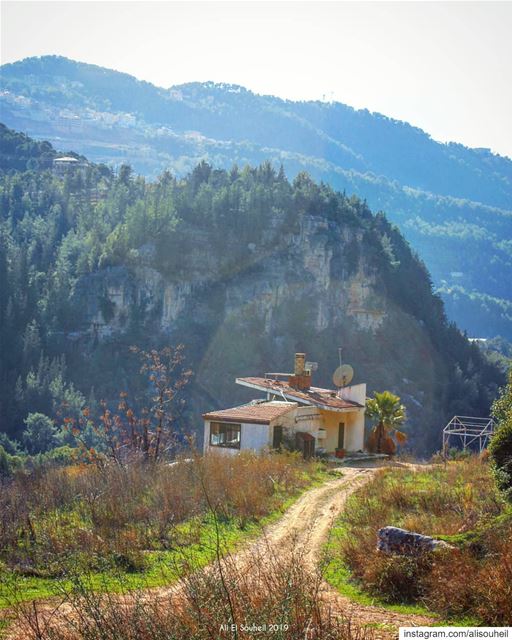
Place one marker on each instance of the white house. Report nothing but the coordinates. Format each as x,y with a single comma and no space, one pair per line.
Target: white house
311,418
65,164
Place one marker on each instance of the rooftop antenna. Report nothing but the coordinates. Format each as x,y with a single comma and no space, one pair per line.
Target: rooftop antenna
343,374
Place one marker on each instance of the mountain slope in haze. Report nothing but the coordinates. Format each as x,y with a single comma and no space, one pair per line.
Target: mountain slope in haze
452,203
243,267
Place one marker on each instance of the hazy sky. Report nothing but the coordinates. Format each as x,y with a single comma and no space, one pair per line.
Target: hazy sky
443,66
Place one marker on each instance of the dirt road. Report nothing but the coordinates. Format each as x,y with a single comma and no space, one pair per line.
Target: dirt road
307,524
308,521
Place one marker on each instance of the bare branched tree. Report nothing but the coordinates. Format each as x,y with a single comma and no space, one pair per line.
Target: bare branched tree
146,432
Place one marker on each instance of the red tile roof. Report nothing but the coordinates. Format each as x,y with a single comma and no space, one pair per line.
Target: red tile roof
323,398
261,413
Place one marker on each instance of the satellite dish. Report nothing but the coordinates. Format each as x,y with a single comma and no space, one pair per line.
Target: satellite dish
343,375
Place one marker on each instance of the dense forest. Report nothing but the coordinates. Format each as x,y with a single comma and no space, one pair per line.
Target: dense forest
69,244
452,203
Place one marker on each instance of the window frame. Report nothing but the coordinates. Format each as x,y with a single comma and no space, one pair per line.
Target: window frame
226,426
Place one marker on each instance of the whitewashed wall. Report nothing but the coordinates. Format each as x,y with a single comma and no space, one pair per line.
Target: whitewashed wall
310,419
355,393
253,436
354,435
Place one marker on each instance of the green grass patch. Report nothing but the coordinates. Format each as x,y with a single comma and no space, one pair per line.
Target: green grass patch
457,503
338,575
161,568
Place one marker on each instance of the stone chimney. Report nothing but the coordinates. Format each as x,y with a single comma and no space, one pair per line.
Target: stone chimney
301,379
300,361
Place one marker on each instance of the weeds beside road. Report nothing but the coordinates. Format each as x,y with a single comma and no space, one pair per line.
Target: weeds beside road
130,525
458,503
279,578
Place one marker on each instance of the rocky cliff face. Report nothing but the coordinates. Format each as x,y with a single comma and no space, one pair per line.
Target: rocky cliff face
309,267
243,267
451,202
315,290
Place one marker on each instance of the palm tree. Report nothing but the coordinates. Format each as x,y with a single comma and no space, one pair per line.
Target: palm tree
390,414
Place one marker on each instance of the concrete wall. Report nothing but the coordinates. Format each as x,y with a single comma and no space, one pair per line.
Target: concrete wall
354,429
313,420
255,436
355,393
354,437
307,419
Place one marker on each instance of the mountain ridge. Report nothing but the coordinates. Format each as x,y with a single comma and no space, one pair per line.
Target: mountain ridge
230,87
243,267
194,90
431,190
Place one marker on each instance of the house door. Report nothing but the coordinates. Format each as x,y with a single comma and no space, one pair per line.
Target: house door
308,450
341,435
305,443
277,438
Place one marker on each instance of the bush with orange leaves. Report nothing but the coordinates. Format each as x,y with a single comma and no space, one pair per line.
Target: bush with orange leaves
131,431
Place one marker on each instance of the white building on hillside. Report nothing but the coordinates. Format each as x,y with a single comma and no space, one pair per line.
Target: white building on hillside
310,418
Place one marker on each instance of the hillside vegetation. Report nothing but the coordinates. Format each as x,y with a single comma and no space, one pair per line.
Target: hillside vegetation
242,267
454,204
107,541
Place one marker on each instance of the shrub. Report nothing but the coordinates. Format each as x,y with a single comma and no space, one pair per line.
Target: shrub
397,578
500,449
458,502
11,447
40,434
8,463
494,586
500,446
115,511
449,588
475,583
5,466
64,455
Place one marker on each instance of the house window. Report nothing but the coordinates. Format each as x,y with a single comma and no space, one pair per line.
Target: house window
225,434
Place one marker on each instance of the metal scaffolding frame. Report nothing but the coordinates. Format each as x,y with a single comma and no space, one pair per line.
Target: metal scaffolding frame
467,430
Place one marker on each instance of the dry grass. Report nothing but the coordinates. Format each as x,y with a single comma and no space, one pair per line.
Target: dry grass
271,590
119,511
459,503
